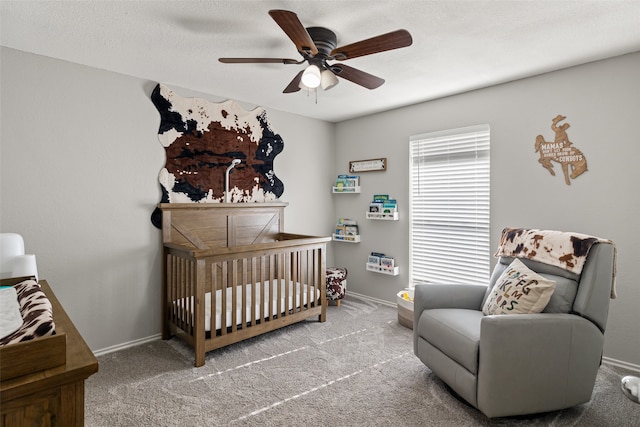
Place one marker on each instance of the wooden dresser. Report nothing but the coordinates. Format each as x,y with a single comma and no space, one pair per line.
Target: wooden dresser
53,396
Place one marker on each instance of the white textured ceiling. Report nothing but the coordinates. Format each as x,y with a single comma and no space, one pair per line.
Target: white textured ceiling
457,45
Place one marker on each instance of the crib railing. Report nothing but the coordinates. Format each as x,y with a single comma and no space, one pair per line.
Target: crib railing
215,298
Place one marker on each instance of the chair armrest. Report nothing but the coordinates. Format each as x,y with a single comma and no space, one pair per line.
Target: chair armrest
427,297
433,296
556,355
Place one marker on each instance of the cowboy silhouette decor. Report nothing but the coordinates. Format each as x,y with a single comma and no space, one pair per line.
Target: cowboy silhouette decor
562,151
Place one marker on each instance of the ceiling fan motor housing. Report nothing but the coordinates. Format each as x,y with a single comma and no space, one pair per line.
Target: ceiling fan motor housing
324,39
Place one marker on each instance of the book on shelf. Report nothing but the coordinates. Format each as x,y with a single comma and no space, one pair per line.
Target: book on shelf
382,203
387,262
375,260
376,207
347,226
347,221
389,208
347,181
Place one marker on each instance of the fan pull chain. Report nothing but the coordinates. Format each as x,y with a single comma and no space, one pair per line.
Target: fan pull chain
315,91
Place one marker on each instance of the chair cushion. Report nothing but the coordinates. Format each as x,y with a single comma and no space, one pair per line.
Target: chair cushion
519,290
455,332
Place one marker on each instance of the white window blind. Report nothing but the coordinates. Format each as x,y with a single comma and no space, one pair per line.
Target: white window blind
450,206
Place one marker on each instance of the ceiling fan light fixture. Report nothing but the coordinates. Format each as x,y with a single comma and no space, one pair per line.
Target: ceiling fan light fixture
305,87
328,80
311,77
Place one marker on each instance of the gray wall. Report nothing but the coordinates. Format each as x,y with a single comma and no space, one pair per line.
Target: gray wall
79,168
602,103
79,160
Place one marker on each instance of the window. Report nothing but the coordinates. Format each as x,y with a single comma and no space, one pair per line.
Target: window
450,206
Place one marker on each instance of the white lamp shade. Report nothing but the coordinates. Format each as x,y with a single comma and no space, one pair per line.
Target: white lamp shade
304,87
328,80
311,77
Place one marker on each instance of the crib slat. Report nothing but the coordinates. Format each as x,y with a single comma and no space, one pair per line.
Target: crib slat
244,283
279,282
170,288
176,300
286,267
310,283
292,276
316,277
262,280
305,278
234,297
254,301
272,291
296,274
183,292
187,308
189,296
309,292
223,299
197,290
215,266
182,280
180,284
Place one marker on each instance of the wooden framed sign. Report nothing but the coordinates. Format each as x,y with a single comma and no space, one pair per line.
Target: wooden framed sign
368,165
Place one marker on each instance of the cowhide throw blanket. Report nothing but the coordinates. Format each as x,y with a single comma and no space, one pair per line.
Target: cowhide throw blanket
566,250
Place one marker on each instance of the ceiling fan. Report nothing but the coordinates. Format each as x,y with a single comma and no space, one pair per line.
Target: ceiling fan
317,46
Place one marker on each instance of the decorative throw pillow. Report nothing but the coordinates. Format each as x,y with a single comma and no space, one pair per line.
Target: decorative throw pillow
519,290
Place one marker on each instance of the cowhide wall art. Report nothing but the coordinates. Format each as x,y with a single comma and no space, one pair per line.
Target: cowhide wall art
202,138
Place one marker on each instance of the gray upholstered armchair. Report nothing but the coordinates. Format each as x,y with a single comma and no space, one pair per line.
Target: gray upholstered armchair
516,364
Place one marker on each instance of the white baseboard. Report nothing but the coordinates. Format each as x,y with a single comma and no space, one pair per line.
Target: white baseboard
126,345
371,299
621,364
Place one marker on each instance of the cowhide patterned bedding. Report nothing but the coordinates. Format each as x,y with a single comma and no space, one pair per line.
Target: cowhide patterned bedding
36,312
566,250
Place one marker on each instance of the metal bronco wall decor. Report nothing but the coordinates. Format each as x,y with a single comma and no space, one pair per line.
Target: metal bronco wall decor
562,151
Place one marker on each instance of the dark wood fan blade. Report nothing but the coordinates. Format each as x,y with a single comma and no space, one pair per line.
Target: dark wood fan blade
292,26
381,43
259,61
294,86
357,76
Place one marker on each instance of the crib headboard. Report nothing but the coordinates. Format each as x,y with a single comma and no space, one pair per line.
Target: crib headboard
220,225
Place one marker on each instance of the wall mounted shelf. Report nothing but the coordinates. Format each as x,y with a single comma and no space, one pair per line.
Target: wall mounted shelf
346,190
348,239
393,271
383,216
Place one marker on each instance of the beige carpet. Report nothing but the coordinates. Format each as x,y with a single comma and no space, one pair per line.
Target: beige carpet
356,369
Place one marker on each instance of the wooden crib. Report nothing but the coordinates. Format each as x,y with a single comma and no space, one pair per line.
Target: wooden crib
231,273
